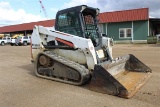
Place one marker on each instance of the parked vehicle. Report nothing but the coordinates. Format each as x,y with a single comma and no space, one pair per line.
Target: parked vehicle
13,41
23,40
5,40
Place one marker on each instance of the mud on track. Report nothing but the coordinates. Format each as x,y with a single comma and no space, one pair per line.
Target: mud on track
19,87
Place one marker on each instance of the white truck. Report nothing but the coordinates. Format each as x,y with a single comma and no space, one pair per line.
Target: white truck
23,40
5,40
13,41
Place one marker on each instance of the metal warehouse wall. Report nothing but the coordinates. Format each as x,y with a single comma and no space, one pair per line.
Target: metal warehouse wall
113,29
140,30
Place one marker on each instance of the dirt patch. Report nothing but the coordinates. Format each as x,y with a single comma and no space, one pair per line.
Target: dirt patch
21,88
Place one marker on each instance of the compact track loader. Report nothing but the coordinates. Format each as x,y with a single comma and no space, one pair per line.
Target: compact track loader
75,52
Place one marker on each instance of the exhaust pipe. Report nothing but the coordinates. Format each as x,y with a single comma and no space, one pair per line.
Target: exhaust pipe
122,77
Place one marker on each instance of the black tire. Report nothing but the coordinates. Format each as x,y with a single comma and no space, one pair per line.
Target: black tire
25,43
2,43
11,44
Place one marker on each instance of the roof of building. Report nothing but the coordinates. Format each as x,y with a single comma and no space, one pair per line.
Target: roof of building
106,17
125,15
26,26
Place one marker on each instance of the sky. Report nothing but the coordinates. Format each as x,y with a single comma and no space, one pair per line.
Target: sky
23,11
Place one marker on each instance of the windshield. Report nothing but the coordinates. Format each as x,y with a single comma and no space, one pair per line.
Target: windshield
68,23
19,37
25,37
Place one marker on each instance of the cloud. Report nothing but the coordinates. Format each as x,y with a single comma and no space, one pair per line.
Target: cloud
11,16
80,2
116,5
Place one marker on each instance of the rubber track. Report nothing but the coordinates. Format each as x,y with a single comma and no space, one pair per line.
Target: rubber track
84,72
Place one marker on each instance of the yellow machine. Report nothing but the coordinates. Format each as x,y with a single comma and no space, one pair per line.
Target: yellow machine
1,35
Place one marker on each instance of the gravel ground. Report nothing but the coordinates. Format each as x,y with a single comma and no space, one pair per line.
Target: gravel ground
19,87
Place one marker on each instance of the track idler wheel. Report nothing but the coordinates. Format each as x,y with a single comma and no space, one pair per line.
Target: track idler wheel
44,60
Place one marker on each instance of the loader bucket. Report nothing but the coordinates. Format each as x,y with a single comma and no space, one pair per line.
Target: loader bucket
122,77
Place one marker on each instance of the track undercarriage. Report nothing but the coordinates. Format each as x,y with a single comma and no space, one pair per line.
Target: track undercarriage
54,67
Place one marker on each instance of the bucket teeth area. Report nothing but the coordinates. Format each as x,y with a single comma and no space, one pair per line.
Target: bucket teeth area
132,81
123,77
